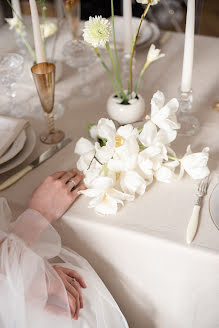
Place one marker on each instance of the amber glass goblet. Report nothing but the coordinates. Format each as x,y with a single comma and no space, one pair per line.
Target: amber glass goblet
44,78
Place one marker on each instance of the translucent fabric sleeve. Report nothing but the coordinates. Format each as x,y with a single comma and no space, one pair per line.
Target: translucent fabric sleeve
32,294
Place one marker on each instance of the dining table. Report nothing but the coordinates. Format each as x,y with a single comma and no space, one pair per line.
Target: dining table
141,254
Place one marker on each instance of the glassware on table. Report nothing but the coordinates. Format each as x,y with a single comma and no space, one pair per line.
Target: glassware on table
44,78
189,123
11,70
73,15
81,57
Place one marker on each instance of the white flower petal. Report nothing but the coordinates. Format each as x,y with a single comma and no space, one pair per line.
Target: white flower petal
83,146
125,131
148,134
102,183
131,183
93,132
91,193
85,160
120,195
108,206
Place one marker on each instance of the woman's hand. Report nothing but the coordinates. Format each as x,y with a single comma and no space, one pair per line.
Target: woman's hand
56,194
73,283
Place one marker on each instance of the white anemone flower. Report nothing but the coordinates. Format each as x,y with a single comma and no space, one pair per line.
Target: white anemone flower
86,150
154,54
145,2
105,198
166,173
195,164
97,31
106,130
164,116
48,29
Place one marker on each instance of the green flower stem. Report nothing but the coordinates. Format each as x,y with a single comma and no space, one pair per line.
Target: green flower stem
29,48
108,72
115,46
174,158
134,44
141,75
115,71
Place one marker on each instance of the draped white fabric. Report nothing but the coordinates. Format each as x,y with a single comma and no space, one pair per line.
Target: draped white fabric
32,294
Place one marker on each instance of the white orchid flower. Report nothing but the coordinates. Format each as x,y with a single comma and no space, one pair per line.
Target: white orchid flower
150,135
164,116
48,29
86,150
97,31
105,198
195,164
145,2
154,54
166,173
14,23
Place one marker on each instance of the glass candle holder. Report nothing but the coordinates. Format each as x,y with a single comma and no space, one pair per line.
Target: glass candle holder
189,123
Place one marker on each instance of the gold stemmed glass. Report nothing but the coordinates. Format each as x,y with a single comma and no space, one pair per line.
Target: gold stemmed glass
44,78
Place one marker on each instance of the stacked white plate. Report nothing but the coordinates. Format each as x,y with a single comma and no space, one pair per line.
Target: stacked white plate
149,32
19,150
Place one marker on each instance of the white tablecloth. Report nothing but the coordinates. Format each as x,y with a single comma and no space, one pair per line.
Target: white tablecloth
141,255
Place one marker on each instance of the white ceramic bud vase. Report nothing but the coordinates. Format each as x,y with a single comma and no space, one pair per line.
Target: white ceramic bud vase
126,113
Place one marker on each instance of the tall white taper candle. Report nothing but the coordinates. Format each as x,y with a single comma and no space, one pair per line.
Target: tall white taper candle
188,47
17,8
38,42
127,21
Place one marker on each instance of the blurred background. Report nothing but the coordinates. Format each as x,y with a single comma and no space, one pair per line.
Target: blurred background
168,14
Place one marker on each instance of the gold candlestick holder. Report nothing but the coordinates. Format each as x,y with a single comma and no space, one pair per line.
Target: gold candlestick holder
44,78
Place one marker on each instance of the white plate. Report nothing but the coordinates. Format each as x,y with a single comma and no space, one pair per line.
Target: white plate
24,154
145,32
15,148
214,205
154,37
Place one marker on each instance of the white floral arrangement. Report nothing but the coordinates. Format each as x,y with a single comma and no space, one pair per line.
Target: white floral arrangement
120,163
97,32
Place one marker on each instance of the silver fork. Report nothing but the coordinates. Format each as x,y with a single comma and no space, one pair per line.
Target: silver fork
193,222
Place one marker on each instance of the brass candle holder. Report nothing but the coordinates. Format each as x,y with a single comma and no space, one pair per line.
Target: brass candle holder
44,78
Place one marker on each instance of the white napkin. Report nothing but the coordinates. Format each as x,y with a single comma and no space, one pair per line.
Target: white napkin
10,128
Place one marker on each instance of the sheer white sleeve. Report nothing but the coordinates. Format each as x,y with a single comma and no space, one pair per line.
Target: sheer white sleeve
32,295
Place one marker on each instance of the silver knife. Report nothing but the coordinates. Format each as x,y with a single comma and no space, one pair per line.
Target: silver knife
41,159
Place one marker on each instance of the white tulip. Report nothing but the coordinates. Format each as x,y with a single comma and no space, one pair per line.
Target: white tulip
93,132
164,116
154,54
195,164
105,198
166,173
131,182
86,150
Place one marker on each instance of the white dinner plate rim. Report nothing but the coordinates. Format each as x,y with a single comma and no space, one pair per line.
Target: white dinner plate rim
24,153
15,148
209,205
